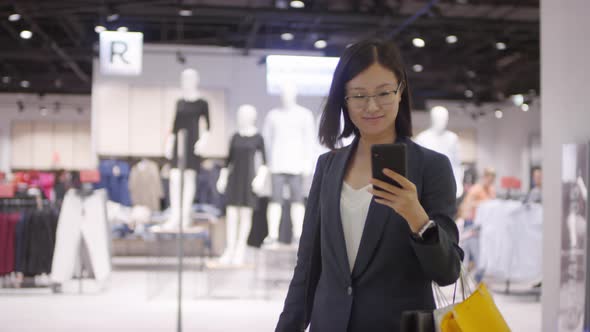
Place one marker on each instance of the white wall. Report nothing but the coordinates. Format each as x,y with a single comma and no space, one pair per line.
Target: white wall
9,113
241,78
500,143
565,51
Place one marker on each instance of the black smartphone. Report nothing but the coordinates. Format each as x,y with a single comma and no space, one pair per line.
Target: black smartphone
392,156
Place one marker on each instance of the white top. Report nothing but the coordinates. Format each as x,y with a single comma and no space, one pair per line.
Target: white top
354,207
289,136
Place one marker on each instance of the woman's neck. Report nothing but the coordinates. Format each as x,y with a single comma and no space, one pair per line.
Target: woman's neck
365,142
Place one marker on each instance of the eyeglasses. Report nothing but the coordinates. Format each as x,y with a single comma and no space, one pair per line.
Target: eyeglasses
383,98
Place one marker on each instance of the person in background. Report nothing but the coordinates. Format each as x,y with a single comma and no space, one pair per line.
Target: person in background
535,195
480,192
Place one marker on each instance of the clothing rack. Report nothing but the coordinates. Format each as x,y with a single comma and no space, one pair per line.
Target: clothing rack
22,260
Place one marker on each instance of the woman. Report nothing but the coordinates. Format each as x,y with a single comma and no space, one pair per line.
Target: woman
377,251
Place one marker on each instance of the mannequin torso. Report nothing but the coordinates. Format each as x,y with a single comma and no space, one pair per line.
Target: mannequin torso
441,140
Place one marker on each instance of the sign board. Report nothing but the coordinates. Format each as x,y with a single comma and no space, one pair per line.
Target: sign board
121,53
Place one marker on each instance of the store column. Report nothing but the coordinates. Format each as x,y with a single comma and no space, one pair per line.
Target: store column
565,118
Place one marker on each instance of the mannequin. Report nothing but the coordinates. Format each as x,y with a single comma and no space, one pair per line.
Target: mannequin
439,139
289,136
189,111
241,181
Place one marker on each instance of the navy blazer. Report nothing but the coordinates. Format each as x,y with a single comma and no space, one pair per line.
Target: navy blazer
392,272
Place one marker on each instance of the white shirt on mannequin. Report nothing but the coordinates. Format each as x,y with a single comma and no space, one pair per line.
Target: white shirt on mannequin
289,135
441,140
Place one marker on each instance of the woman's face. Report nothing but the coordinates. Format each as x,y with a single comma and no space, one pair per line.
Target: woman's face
374,116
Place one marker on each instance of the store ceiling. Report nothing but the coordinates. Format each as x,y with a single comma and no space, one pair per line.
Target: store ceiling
58,57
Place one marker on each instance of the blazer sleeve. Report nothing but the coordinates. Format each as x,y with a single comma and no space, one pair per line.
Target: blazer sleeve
293,317
439,253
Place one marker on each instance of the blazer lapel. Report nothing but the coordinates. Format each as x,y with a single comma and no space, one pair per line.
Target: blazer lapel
376,218
332,193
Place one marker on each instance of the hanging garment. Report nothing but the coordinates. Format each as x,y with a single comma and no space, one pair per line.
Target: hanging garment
114,177
145,185
207,187
187,117
82,217
242,169
38,242
510,239
8,223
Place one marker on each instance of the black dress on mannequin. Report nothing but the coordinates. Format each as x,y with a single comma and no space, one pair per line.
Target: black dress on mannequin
188,114
242,169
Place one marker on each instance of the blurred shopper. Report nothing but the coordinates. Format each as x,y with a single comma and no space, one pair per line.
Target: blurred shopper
480,192
535,195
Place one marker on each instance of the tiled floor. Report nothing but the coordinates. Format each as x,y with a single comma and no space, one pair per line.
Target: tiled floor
131,304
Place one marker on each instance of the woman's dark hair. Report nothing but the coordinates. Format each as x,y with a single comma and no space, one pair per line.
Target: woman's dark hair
356,59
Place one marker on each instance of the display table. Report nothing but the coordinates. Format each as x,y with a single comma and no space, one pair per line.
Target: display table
230,281
162,249
274,269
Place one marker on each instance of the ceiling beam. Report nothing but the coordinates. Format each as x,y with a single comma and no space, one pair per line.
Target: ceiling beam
83,76
252,37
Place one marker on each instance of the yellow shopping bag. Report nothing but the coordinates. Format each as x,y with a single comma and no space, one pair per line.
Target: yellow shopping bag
477,313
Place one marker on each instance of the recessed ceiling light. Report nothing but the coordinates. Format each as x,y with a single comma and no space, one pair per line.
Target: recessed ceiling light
185,12
501,46
471,74
99,29
25,84
499,114
524,107
26,34
518,100
123,29
320,44
14,17
451,39
6,79
468,93
287,36
297,4
113,17
418,68
418,42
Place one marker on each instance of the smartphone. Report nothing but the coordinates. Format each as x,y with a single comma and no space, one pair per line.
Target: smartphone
392,156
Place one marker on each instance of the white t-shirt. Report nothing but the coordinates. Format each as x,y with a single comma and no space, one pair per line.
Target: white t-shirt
354,207
289,137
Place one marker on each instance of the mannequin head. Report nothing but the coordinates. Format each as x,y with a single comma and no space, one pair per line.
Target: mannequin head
189,82
439,118
489,176
288,95
246,117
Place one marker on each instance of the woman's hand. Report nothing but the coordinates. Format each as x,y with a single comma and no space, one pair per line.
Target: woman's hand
403,200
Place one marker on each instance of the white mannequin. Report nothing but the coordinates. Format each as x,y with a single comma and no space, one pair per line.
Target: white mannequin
575,220
289,135
439,139
189,81
239,218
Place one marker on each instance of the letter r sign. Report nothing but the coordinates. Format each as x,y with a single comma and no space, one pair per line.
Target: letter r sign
121,53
